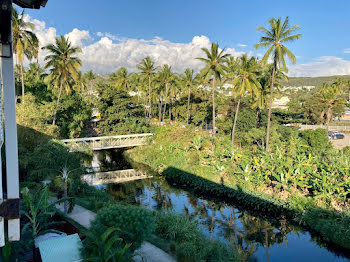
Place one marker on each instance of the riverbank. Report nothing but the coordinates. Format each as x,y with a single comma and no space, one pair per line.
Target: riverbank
183,157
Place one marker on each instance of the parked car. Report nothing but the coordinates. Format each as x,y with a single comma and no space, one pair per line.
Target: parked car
335,135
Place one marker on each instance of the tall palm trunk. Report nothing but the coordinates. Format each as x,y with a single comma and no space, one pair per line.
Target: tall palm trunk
270,105
150,100
188,104
213,97
57,104
160,105
166,92
22,79
235,121
37,72
170,102
16,77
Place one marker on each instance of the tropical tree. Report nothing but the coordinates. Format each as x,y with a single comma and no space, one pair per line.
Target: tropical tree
148,70
214,62
189,80
261,100
274,39
165,78
121,78
245,82
90,76
64,67
332,95
25,41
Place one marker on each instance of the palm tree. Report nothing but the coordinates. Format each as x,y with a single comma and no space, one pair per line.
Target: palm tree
274,39
64,66
245,82
147,68
90,76
332,95
24,40
121,78
189,80
214,68
165,78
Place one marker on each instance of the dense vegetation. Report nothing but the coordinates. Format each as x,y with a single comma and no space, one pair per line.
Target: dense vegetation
302,177
248,156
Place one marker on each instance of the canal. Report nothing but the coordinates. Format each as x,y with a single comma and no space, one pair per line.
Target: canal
257,238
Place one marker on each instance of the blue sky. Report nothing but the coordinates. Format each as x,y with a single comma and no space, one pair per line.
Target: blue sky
325,25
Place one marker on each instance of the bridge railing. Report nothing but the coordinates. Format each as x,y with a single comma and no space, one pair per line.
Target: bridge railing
107,142
118,176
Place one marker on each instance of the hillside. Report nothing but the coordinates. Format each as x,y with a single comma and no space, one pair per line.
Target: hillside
313,81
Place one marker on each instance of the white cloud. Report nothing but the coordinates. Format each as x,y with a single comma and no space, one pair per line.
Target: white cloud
242,45
110,52
322,66
347,51
79,37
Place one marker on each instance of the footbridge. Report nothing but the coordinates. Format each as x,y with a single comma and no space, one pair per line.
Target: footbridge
107,142
115,177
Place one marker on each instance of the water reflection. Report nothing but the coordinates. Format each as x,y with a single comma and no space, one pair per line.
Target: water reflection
254,238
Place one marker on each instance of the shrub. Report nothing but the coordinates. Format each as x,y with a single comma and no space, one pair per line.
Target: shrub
317,140
190,244
135,223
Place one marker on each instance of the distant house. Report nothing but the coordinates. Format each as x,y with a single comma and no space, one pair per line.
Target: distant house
345,116
280,103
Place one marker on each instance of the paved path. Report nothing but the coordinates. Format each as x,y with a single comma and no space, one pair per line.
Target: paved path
146,253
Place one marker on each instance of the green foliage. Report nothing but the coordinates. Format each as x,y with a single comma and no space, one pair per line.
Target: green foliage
317,140
189,243
73,115
38,210
302,173
48,160
135,223
105,247
120,115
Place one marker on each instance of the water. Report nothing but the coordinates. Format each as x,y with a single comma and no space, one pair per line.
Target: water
258,239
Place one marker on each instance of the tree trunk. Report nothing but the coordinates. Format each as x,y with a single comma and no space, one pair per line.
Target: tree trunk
213,99
329,116
150,100
170,107
160,110
322,117
188,104
166,93
37,72
270,106
57,104
65,195
235,121
22,80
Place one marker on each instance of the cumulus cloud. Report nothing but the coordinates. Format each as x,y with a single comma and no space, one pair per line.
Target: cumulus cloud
322,66
108,52
106,55
242,45
79,37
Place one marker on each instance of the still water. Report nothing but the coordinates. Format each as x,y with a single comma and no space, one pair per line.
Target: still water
256,238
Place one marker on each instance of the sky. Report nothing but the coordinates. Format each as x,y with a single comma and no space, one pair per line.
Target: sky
120,33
